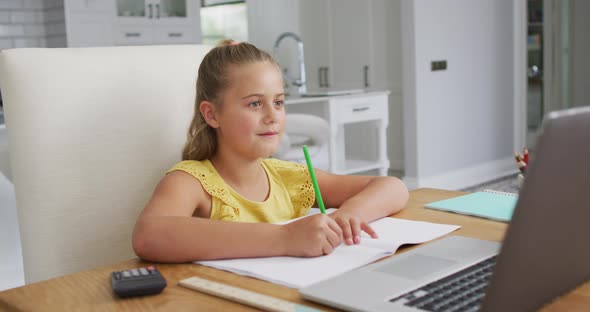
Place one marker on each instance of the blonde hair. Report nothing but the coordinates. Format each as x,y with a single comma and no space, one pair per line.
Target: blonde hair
212,80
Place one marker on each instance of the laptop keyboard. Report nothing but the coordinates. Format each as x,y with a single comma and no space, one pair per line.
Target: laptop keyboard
462,291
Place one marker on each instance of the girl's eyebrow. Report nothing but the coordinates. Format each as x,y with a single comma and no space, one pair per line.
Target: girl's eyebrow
261,95
253,94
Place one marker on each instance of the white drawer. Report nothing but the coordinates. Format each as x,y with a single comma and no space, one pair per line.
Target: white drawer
133,36
358,109
174,35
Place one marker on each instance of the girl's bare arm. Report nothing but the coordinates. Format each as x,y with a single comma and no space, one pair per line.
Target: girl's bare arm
166,230
374,197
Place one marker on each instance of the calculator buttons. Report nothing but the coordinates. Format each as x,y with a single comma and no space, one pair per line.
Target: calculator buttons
137,282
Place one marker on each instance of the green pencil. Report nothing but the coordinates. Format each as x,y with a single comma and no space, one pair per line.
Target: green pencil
314,181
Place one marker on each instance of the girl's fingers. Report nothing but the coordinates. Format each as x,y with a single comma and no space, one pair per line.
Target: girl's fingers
369,230
334,226
355,226
327,248
333,238
346,232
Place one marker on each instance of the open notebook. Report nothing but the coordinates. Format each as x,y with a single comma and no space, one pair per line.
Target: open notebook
300,272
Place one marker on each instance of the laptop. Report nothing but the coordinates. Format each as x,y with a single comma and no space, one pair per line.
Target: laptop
545,252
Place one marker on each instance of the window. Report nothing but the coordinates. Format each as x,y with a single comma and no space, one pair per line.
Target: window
223,20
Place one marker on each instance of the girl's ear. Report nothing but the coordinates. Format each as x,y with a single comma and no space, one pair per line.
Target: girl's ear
208,111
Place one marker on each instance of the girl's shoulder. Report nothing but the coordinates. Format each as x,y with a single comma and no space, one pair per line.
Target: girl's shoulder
283,165
208,177
287,171
296,180
196,168
203,171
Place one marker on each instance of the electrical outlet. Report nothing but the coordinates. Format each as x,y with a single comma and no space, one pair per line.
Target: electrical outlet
438,65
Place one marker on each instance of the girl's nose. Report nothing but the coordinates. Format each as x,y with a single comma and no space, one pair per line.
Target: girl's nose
270,114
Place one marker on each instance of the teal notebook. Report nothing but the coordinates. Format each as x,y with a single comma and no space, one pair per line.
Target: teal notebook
486,204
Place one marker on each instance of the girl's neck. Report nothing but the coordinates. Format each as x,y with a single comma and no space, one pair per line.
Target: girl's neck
239,172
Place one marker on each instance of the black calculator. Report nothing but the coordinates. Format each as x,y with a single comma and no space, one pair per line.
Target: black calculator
137,282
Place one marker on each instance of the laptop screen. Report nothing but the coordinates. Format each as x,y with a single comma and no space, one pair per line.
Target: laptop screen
545,252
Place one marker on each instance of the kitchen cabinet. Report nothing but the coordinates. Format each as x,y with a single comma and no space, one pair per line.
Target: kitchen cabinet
338,39
132,22
315,30
358,129
157,22
89,22
88,6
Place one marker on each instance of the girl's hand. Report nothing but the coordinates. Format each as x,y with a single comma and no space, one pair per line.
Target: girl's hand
312,236
351,226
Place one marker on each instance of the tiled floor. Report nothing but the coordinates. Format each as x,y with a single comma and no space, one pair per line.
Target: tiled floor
507,184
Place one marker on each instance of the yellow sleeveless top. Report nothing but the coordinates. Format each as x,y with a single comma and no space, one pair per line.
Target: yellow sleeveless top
291,192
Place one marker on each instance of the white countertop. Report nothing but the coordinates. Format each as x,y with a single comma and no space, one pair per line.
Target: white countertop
310,99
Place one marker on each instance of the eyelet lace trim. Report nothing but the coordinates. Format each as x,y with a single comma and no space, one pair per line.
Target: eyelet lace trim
294,175
298,183
211,182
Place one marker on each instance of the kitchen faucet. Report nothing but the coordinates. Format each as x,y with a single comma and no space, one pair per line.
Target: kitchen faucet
300,82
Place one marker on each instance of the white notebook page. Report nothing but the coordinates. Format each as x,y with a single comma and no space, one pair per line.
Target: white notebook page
300,272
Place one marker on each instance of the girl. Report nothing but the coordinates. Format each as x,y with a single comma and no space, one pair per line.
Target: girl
225,176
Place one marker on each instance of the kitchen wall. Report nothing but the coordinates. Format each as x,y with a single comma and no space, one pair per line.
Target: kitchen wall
32,23
28,23
267,19
458,122
450,129
387,41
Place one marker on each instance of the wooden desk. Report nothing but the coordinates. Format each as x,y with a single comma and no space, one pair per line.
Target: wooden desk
91,290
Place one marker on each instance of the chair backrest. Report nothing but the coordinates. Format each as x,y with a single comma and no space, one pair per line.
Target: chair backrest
305,129
91,131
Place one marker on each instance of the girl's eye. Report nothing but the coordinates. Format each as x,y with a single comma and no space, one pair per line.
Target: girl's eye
279,103
254,104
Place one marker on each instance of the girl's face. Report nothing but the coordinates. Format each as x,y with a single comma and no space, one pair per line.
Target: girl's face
251,118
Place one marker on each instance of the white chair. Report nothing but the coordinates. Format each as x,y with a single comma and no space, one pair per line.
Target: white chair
4,158
91,131
310,130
